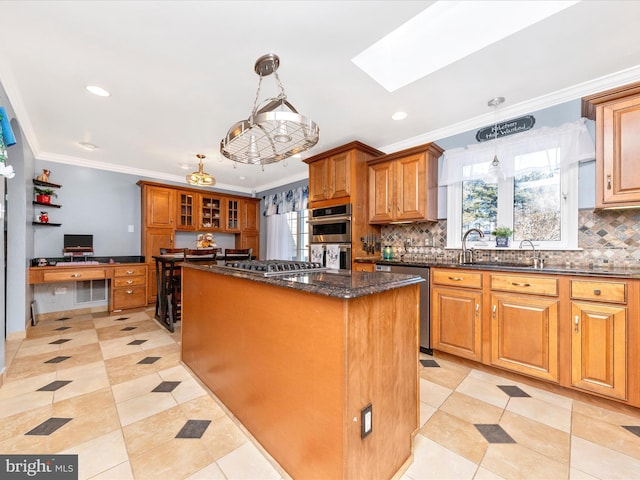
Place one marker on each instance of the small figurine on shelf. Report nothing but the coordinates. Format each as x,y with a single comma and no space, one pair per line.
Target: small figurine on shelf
43,217
45,175
205,240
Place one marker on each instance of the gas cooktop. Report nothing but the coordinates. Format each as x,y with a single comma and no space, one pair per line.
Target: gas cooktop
270,268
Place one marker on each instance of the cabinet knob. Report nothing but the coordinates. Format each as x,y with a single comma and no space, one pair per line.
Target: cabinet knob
129,292
577,322
597,291
609,182
129,282
129,272
76,275
477,309
494,311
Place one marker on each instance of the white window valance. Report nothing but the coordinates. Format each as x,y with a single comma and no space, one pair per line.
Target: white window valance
292,200
567,144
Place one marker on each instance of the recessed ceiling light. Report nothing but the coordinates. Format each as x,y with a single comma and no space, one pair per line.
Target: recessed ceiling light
101,92
399,115
242,177
184,166
416,48
88,146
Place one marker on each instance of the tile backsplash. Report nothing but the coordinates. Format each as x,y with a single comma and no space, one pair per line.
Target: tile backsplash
605,237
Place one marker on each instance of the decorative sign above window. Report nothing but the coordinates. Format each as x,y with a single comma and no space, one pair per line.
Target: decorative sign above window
509,127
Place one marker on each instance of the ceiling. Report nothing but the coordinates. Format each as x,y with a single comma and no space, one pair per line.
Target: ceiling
181,73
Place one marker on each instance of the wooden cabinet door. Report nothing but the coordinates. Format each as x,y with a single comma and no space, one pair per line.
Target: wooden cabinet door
250,216
364,267
340,175
381,201
410,187
211,213
456,321
598,348
234,213
319,180
618,153
159,207
249,240
186,217
524,334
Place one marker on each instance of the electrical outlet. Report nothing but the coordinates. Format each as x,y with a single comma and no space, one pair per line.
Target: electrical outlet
366,421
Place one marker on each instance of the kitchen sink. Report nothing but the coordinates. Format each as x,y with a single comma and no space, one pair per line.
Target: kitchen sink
504,264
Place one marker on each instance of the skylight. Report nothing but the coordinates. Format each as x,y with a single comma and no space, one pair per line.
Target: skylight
446,32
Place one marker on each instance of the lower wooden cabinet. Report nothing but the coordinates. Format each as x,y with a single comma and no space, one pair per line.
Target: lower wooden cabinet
363,267
599,348
129,287
524,334
577,332
456,322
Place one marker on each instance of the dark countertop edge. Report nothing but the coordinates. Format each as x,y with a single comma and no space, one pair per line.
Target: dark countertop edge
52,261
399,281
551,269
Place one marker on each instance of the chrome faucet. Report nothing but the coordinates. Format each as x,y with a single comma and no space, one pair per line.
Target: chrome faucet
464,257
537,261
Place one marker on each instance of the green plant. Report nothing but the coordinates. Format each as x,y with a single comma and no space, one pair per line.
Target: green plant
502,232
45,191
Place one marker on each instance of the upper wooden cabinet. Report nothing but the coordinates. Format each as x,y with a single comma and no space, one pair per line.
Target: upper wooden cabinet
617,116
333,174
403,186
250,215
159,206
186,217
210,213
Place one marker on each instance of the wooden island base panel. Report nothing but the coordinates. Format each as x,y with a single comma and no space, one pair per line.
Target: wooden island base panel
298,368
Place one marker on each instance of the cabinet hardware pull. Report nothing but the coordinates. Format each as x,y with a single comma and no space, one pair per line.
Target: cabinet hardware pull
76,275
129,282
388,208
495,307
129,272
456,279
129,292
597,291
477,309
577,321
608,182
398,208
516,284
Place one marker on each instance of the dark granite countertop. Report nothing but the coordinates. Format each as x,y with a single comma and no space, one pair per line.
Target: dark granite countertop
332,283
51,261
512,267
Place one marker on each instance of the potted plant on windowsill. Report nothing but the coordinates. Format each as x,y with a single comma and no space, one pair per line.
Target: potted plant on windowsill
502,234
43,195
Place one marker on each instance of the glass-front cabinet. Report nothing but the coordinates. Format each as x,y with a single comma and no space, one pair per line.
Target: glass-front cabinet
211,213
233,215
186,211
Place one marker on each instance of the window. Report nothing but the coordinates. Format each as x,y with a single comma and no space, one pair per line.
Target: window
538,199
299,227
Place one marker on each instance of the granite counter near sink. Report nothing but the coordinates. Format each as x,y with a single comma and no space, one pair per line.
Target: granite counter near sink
511,267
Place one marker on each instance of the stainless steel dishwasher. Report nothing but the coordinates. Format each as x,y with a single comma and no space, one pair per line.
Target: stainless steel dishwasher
425,325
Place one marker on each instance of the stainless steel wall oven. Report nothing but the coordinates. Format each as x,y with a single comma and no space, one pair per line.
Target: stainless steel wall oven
330,236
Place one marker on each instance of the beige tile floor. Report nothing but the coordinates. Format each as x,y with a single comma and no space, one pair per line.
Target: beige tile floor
100,379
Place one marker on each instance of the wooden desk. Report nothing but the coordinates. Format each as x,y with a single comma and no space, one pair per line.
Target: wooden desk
128,281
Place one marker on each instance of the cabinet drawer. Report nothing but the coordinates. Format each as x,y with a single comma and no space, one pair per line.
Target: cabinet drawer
600,291
534,285
74,275
129,271
129,281
457,279
129,297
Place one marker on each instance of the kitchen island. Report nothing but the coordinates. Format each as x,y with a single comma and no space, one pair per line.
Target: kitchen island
299,359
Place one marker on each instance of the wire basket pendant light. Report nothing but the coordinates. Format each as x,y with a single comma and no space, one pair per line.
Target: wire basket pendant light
201,178
274,130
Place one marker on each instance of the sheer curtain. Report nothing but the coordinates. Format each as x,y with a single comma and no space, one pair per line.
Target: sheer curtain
572,141
278,238
276,206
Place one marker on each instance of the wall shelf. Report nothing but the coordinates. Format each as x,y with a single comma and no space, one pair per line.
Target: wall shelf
40,183
52,205
46,224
